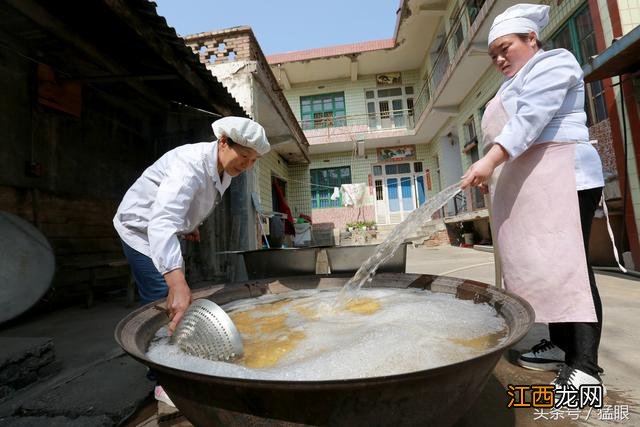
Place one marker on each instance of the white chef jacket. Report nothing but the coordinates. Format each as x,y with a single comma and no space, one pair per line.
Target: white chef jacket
545,102
172,197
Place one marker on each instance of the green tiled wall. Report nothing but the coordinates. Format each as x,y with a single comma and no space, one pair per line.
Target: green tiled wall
491,80
299,190
297,183
361,166
353,91
472,105
268,166
559,14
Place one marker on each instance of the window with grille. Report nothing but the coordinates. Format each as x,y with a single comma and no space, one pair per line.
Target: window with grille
577,35
390,107
397,168
321,111
470,131
473,8
379,190
455,23
323,181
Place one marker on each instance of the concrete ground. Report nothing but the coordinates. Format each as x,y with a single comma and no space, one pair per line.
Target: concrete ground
99,385
619,355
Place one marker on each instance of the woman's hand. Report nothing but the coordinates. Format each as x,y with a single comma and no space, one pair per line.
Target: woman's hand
479,173
179,297
194,236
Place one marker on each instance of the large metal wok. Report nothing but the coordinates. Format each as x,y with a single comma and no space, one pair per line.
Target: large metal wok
436,396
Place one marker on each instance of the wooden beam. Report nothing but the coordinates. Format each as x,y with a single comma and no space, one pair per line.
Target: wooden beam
123,78
478,49
438,9
40,16
354,69
284,79
164,51
279,104
280,139
449,110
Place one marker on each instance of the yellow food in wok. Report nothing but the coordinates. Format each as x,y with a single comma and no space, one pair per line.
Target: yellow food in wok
267,337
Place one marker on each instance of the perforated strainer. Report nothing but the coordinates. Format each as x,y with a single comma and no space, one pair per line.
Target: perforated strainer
206,331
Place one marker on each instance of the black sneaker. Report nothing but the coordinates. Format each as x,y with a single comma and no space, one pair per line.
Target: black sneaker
544,356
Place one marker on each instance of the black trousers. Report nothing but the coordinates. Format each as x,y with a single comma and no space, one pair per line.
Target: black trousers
580,340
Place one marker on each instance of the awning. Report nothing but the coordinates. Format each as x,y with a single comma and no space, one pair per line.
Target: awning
117,46
619,58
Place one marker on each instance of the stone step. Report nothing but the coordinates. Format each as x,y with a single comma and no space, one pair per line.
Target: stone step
23,361
435,229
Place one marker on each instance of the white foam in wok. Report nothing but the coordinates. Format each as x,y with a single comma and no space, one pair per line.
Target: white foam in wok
414,330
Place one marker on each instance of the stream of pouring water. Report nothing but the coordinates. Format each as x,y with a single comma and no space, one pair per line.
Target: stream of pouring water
399,234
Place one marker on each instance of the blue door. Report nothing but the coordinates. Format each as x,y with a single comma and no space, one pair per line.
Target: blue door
401,196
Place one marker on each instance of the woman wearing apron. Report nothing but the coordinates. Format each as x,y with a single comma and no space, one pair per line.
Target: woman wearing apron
537,155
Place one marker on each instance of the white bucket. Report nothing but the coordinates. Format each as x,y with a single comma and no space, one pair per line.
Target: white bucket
468,238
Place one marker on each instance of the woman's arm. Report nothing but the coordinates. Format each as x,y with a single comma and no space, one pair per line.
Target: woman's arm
480,172
543,92
169,210
179,297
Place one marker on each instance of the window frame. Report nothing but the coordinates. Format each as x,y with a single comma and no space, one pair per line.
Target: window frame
470,132
397,121
332,117
595,105
322,191
473,9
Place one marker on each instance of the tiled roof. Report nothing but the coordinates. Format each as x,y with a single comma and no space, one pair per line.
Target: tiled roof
323,52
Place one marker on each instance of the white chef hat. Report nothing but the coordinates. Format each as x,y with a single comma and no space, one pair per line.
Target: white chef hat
242,131
519,19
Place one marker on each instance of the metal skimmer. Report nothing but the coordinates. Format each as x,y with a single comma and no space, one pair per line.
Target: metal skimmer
206,331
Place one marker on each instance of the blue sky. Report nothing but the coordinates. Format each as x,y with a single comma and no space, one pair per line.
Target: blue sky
287,25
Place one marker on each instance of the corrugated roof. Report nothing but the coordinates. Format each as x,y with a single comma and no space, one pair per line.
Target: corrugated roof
116,45
148,13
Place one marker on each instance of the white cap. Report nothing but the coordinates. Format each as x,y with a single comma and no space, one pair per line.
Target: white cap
242,131
520,19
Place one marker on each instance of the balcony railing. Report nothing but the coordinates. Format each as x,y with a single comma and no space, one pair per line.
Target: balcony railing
478,199
359,123
460,203
470,200
458,34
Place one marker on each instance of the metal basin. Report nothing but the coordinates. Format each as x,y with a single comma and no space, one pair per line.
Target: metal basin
438,396
263,263
348,259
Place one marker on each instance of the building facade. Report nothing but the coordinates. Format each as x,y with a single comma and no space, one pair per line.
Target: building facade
402,116
234,57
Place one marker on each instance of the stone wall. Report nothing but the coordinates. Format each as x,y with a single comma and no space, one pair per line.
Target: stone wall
67,174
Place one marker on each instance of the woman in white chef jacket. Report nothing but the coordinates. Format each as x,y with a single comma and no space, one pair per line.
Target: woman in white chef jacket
172,198
536,134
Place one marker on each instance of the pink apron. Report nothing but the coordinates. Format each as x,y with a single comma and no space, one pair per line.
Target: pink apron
536,218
